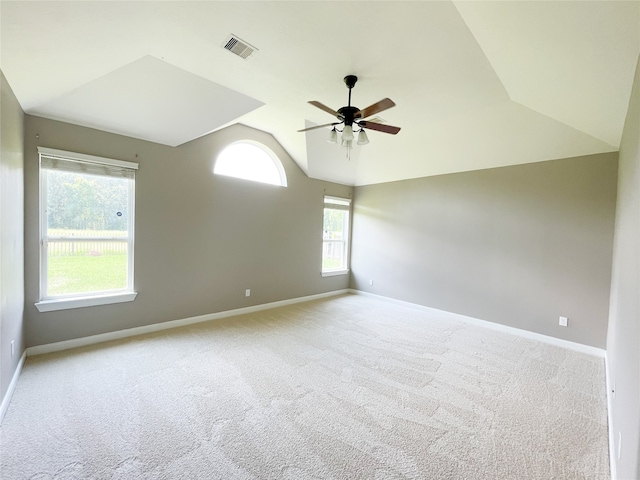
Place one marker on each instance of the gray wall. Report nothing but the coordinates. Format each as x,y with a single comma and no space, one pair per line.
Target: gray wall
200,239
11,234
623,341
518,246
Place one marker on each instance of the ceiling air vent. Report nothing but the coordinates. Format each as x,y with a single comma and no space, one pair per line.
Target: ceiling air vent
239,47
376,120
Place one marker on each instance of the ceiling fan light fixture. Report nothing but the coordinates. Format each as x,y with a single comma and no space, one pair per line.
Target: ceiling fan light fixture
347,133
350,115
362,137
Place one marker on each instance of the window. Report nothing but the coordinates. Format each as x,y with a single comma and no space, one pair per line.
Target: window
86,230
335,236
250,161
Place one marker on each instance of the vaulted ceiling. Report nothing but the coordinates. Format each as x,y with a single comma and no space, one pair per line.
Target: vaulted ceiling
476,84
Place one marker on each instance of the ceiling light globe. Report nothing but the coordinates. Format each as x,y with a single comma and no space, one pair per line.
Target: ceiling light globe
347,133
362,138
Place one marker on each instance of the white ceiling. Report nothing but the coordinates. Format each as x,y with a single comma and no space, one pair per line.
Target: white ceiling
477,84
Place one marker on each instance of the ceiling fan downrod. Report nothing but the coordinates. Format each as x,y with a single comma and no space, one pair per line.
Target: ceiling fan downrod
349,113
350,81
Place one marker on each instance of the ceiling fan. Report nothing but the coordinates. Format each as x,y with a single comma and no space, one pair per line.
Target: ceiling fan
353,115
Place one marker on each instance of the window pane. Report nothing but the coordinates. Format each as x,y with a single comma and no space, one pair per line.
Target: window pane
86,266
333,256
86,205
334,223
249,162
335,231
95,208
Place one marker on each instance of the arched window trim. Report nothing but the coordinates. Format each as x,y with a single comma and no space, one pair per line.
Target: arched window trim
271,154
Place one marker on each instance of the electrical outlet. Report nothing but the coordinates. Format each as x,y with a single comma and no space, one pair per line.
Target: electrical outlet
12,348
247,292
370,282
563,322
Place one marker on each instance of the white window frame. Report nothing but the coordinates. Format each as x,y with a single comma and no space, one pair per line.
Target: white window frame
272,156
62,302
344,204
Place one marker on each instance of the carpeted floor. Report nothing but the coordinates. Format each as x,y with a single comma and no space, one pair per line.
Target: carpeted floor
344,388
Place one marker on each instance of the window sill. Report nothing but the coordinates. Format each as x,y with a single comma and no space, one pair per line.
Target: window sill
79,302
333,273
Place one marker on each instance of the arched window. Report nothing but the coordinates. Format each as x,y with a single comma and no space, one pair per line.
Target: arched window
250,161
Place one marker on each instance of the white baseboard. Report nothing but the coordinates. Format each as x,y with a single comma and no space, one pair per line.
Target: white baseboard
588,349
612,440
156,327
4,406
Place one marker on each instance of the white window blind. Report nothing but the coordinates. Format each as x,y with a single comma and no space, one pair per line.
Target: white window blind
88,164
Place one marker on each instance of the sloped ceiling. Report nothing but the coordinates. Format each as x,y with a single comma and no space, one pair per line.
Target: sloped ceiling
477,84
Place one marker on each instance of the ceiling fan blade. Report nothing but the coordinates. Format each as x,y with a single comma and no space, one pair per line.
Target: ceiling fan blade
379,127
325,108
319,126
378,107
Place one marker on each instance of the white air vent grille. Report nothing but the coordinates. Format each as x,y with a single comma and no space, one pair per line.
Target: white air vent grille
239,47
376,120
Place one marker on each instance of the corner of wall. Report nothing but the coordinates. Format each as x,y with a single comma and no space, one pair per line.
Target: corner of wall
12,344
623,334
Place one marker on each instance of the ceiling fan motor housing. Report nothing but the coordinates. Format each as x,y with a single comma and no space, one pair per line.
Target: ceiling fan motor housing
349,114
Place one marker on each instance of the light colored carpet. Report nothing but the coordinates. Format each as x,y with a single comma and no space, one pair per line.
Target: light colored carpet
344,388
